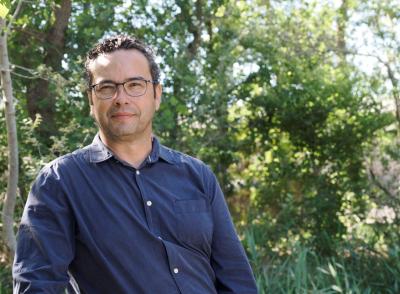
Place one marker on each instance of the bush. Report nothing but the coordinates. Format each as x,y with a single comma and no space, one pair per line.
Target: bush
351,270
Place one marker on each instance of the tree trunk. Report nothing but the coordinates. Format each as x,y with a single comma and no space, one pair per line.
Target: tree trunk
7,92
40,99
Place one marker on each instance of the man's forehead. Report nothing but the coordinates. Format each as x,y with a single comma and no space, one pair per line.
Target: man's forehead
102,60
122,57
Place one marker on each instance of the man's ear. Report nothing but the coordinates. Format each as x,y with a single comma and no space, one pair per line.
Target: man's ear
158,94
90,99
89,94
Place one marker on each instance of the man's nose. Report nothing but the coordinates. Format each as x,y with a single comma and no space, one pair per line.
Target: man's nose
120,96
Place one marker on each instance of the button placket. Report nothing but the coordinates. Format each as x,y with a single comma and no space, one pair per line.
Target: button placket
147,203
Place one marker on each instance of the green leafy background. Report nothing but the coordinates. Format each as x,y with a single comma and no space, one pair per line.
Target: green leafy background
271,94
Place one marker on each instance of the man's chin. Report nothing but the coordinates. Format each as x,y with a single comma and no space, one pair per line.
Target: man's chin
123,134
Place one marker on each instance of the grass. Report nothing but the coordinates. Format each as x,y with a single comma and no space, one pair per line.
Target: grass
5,279
304,271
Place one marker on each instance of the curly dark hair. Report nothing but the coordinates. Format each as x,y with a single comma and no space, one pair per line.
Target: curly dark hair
119,42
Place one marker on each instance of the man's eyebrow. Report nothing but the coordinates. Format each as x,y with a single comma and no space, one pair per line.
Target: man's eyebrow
105,81
135,78
128,79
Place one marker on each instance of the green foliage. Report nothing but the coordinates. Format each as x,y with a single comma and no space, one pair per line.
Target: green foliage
5,279
305,128
304,271
297,134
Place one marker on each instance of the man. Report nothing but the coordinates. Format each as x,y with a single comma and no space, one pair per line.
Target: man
126,214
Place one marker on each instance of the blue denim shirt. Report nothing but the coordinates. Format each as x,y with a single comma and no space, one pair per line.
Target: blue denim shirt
161,228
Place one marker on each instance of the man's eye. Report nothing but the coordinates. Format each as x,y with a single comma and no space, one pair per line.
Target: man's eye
105,87
134,85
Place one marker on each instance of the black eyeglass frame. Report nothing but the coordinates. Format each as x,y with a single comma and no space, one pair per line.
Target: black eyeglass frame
123,86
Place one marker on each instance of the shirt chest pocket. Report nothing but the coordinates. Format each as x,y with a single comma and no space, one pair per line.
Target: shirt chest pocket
194,221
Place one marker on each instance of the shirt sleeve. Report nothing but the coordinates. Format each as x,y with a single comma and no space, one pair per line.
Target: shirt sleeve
45,244
228,258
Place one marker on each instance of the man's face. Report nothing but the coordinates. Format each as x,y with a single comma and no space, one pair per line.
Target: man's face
122,117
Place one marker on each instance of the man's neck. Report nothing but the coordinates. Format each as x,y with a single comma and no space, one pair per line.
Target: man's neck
133,151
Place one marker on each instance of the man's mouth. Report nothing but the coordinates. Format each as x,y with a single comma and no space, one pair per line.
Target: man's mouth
122,115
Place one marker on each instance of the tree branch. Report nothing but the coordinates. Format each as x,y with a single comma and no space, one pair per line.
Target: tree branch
14,16
392,78
378,184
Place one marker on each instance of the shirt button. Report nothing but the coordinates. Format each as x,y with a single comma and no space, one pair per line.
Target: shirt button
176,270
149,203
138,172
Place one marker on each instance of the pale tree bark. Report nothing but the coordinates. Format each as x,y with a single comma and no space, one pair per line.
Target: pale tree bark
7,93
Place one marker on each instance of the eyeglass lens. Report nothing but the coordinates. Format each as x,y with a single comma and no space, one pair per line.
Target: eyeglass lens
133,88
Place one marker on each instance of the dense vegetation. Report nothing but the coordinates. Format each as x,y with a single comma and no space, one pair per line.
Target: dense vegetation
294,104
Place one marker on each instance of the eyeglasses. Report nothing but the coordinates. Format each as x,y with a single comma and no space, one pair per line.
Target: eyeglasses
133,87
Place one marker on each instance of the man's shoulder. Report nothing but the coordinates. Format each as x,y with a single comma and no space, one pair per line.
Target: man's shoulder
190,168
179,157
184,160
66,162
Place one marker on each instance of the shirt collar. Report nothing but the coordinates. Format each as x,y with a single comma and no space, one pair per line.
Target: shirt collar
160,151
98,152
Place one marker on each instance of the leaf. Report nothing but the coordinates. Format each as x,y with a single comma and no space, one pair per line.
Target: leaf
337,289
4,8
332,270
323,270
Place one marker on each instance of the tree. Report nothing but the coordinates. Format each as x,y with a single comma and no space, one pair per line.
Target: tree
7,92
306,125
265,92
